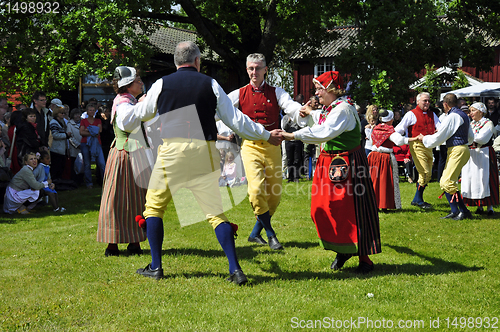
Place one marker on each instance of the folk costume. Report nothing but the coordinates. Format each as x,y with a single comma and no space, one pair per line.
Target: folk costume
457,133
262,160
480,175
343,203
384,166
123,196
187,103
414,123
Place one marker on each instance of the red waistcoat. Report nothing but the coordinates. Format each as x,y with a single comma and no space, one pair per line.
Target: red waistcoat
424,125
261,107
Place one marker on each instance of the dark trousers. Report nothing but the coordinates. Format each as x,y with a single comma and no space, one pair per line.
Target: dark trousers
58,162
294,150
443,154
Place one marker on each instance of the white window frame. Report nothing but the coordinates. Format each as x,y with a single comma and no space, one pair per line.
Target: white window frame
323,66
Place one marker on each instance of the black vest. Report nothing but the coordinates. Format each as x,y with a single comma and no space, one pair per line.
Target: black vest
461,136
187,105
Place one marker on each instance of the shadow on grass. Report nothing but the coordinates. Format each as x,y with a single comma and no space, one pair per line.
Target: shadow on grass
439,266
244,253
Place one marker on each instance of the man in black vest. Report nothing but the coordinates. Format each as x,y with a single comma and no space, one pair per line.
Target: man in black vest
457,133
187,103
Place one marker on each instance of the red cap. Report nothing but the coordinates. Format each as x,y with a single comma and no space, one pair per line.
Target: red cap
330,79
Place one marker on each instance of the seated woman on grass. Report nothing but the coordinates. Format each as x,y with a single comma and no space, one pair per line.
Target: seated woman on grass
42,173
24,188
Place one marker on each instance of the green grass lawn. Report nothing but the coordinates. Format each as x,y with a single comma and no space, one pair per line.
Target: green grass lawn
54,276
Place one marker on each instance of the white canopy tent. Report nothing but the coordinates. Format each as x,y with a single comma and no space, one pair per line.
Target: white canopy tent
486,89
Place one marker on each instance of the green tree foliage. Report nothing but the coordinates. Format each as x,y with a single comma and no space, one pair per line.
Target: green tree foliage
432,83
235,29
382,94
460,81
401,36
52,51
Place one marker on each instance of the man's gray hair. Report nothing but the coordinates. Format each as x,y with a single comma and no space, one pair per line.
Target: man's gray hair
257,57
186,52
421,94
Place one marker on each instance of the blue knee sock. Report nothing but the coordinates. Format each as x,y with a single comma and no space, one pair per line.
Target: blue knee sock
421,190
265,220
256,229
453,205
154,231
224,233
461,204
418,196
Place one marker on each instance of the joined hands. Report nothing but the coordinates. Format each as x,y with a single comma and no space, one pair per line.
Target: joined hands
279,135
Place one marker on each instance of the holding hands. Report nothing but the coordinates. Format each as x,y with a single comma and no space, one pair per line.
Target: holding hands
420,137
276,137
288,136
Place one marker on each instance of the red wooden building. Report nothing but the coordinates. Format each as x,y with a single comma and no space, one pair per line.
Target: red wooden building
305,68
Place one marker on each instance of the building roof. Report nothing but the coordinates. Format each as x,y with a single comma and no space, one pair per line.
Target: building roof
447,70
166,38
347,35
345,38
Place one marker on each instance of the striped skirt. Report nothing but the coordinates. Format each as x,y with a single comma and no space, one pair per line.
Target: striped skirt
122,199
346,213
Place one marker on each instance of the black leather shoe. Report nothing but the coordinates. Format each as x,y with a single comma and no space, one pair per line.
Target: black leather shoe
450,215
491,213
238,277
258,239
148,272
423,205
479,210
133,250
274,243
365,268
340,261
111,252
463,215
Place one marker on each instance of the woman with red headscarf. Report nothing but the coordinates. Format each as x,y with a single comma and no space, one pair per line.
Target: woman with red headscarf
343,205
383,163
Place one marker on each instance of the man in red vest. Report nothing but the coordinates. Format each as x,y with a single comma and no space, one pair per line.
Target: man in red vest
262,161
418,121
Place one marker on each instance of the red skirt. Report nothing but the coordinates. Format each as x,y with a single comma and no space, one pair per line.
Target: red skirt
381,175
345,213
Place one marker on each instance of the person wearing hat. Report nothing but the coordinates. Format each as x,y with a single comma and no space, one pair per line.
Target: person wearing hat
55,103
420,120
480,174
343,203
382,162
123,197
263,167
457,133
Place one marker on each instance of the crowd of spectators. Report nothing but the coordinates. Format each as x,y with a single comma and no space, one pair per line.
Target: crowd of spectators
49,128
